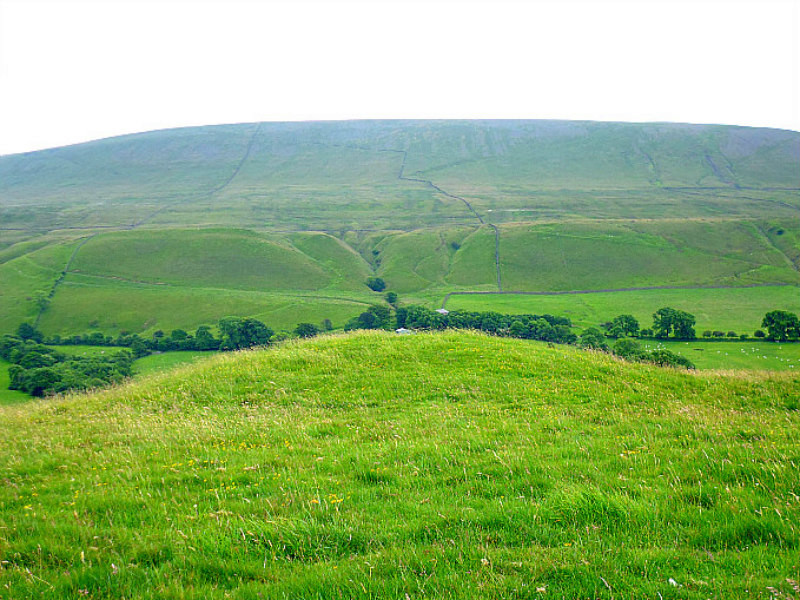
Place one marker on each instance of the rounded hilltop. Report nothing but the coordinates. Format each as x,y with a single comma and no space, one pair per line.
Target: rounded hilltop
377,465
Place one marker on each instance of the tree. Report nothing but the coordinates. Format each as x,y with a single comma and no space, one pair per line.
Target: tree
623,326
376,284
594,338
26,331
670,320
391,298
204,339
759,333
306,330
628,349
665,358
327,325
238,333
781,325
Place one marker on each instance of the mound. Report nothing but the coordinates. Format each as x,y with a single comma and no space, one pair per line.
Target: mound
374,465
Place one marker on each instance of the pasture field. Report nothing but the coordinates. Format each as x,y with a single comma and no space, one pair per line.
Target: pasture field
374,465
603,256
164,361
222,259
727,309
26,279
737,355
8,396
86,304
81,350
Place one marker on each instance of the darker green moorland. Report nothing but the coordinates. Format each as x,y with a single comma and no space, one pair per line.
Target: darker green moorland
370,465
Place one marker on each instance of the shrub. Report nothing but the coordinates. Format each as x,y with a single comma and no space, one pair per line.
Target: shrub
376,284
593,338
306,330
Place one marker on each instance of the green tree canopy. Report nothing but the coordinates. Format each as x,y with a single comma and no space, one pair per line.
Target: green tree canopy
670,320
623,326
376,284
306,330
593,338
238,333
781,325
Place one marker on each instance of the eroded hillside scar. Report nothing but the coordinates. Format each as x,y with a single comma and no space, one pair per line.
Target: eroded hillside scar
401,175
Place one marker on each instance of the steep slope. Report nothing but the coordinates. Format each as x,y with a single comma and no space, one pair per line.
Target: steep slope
375,465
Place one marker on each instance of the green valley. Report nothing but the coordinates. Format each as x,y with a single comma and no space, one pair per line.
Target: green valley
286,221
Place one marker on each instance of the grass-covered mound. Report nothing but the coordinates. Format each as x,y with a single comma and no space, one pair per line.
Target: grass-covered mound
447,465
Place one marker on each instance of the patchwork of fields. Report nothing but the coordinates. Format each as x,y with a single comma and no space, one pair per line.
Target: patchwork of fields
285,221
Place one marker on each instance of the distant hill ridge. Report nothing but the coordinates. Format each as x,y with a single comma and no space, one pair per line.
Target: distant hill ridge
307,210
637,155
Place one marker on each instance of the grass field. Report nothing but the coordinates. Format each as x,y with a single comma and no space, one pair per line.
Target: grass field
26,278
732,309
608,256
164,361
8,396
86,303
373,465
222,259
737,355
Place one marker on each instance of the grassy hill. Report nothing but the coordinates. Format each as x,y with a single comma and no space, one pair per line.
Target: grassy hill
374,465
284,221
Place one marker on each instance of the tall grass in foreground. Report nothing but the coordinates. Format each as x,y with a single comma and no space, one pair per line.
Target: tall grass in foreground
449,465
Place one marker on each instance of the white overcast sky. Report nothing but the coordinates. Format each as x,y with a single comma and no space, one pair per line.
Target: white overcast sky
72,71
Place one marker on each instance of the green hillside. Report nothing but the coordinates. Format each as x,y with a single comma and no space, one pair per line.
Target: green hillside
375,465
285,221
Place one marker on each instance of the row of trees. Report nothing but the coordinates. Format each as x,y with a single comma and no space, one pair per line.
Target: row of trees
537,327
39,370
546,327
234,333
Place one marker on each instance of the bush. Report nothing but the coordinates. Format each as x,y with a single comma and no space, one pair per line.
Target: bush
376,284
732,334
593,338
306,330
665,358
759,333
628,349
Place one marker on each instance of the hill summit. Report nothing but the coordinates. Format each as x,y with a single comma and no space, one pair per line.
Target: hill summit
376,465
